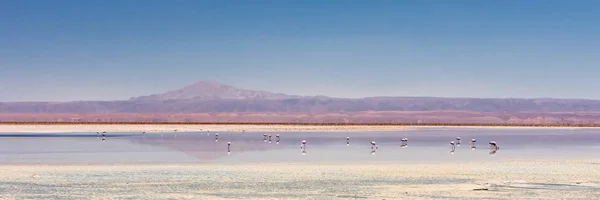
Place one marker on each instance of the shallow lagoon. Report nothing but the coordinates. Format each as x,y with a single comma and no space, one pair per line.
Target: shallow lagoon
424,145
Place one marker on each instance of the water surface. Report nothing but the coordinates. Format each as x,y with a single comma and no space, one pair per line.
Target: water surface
424,145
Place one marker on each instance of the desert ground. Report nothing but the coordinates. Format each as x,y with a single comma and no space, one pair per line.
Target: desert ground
388,117
124,128
513,179
136,128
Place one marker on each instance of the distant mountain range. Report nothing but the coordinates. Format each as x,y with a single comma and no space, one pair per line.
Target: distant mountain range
213,97
208,96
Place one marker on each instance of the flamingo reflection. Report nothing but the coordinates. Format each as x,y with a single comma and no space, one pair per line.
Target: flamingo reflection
373,151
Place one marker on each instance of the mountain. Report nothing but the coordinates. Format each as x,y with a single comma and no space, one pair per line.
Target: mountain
213,97
210,90
304,104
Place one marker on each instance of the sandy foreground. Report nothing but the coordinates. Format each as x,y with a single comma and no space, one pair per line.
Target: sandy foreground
135,128
516,179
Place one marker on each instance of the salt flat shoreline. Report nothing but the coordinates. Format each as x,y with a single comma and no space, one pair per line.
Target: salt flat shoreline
289,165
516,179
135,128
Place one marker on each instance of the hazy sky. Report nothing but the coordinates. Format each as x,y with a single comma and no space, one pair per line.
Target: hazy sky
115,49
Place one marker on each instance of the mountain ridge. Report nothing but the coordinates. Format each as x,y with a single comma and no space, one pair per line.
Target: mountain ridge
213,90
203,86
211,96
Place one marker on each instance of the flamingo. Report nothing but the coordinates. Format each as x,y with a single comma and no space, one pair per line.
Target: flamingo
277,136
228,147
458,141
473,144
453,147
270,138
265,137
404,142
216,137
303,147
347,141
374,145
493,145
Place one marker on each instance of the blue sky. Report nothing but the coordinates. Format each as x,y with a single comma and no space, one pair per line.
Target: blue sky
115,49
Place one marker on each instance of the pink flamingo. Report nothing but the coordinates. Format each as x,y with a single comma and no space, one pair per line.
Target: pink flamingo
493,145
404,142
303,147
228,147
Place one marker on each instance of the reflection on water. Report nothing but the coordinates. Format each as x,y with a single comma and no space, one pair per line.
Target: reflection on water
493,151
178,147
